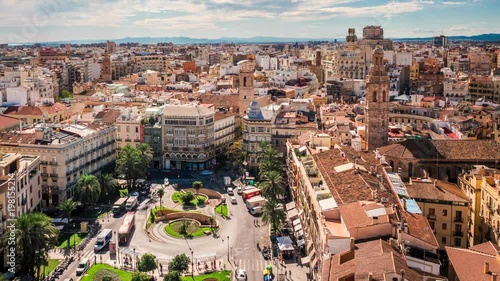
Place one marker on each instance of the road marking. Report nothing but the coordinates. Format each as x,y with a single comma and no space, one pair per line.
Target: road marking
251,264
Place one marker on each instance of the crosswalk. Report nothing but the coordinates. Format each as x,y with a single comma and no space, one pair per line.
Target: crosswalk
251,264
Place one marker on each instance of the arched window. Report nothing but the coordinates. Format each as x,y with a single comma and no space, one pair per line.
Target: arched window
374,97
384,98
244,81
410,170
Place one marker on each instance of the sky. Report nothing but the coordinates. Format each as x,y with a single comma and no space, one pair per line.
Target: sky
60,20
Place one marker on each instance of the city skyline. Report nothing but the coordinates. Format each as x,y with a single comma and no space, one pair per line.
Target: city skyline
55,20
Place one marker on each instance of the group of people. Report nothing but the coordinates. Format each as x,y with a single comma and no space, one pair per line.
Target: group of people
127,260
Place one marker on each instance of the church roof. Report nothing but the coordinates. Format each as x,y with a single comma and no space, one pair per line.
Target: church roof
256,113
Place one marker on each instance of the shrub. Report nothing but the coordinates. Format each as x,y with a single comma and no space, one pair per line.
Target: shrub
106,275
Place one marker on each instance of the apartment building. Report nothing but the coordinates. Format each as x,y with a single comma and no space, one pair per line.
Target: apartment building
446,208
490,205
66,152
129,128
484,87
470,183
152,62
188,134
225,128
20,190
256,129
30,115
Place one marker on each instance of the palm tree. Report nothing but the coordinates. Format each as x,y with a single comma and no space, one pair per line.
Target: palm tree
272,214
68,206
88,190
197,185
272,185
129,163
35,237
146,156
108,184
161,192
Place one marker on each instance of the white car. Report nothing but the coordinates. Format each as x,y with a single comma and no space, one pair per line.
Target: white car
233,200
241,275
240,190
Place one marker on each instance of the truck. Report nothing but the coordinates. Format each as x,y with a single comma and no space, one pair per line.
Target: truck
251,191
119,205
126,228
132,202
255,201
227,181
103,239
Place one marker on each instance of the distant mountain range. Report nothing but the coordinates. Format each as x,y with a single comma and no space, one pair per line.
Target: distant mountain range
257,39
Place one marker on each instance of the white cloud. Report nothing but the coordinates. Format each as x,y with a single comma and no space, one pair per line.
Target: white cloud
459,28
452,3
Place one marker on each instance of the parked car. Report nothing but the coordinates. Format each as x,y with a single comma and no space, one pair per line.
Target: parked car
240,190
241,275
233,200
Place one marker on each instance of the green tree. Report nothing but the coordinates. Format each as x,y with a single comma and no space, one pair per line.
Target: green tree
129,163
187,197
237,155
273,215
140,276
197,185
35,236
108,184
272,185
146,156
88,190
147,263
179,263
68,206
161,193
172,276
269,159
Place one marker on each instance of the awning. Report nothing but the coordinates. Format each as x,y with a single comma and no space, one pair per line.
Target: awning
296,222
285,243
314,261
301,242
297,227
299,233
306,260
290,206
292,213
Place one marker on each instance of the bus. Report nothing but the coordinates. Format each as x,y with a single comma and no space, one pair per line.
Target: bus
119,205
126,228
132,202
103,239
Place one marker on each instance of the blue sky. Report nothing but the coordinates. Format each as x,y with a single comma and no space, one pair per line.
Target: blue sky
55,20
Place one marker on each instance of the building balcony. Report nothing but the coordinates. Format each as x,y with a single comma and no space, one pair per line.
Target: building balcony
43,162
44,174
53,175
458,233
53,162
431,217
458,219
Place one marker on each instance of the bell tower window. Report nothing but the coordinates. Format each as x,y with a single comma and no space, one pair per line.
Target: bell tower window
244,81
374,96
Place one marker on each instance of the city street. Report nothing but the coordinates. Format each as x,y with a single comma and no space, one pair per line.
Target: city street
234,248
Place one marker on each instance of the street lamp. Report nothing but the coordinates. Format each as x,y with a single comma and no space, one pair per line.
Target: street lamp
135,261
192,264
228,249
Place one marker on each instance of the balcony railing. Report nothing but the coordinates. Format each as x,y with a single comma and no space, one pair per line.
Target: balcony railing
459,219
53,162
53,175
44,162
431,217
458,233
44,174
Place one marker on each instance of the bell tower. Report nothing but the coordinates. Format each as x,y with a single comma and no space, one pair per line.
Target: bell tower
377,103
246,90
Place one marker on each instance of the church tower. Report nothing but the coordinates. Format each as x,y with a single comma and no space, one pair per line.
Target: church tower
246,91
106,64
377,103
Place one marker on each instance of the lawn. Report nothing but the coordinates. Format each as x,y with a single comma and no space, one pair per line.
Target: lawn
194,230
198,199
53,263
221,210
220,275
74,239
89,276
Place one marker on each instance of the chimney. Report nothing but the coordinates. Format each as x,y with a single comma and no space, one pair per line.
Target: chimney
370,276
351,245
486,267
493,277
403,274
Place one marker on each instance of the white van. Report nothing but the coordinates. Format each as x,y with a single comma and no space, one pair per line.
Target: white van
83,266
230,191
256,210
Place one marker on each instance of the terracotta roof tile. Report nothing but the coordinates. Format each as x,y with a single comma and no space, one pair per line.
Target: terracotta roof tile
468,264
419,227
443,191
7,122
486,248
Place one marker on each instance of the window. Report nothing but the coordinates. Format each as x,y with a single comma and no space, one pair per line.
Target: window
445,213
432,212
374,97
458,214
127,129
443,226
443,240
458,242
